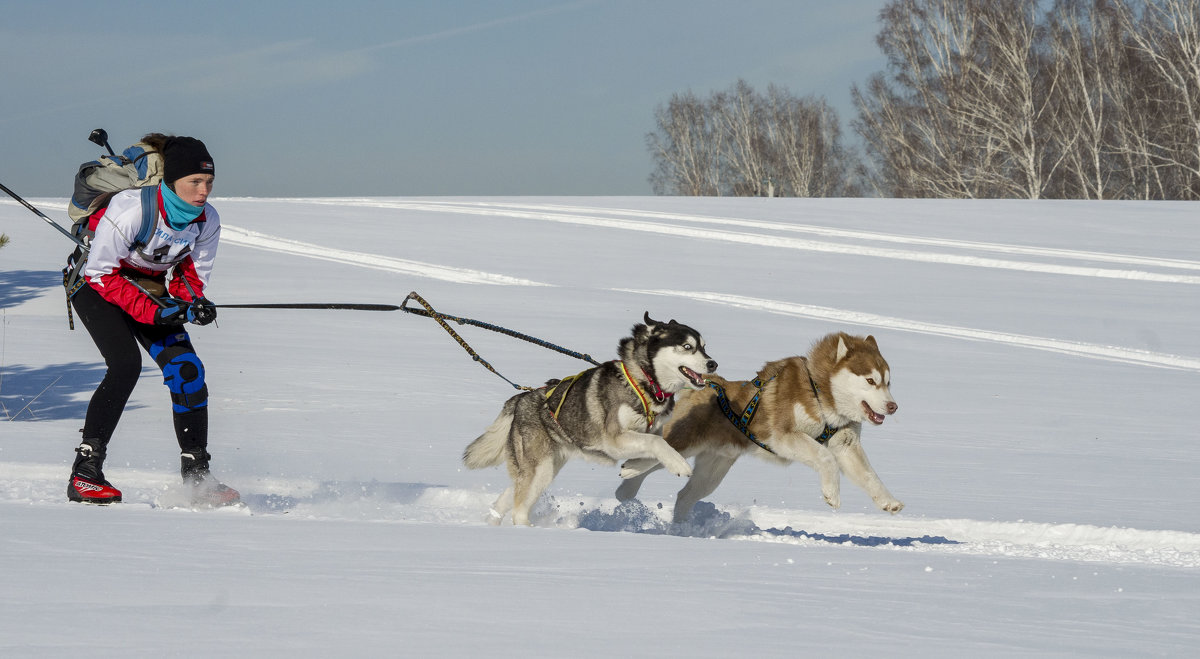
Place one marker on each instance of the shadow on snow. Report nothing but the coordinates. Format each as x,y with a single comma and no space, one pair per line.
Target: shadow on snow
17,286
41,393
53,392
709,522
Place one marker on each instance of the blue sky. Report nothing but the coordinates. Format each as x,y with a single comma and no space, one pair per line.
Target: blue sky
539,97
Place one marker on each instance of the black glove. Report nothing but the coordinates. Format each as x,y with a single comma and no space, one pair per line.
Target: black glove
172,312
202,312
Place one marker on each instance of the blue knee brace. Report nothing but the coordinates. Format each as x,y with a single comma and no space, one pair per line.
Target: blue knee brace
183,372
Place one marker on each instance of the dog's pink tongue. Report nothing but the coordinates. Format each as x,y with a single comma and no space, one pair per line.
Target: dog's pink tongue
875,417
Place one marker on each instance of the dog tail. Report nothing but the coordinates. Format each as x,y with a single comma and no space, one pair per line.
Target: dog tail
489,449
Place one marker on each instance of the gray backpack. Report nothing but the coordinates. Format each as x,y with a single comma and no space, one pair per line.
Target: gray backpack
138,166
98,180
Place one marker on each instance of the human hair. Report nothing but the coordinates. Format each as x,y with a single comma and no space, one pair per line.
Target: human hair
156,141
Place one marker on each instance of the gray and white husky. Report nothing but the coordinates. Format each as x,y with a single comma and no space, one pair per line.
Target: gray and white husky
615,411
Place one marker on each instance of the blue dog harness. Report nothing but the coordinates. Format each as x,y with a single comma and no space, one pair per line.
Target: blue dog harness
742,421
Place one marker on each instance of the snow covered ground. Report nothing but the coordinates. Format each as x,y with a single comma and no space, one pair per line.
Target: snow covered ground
1045,358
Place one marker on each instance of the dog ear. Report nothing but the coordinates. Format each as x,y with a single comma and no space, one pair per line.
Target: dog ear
650,322
842,350
624,343
871,342
640,332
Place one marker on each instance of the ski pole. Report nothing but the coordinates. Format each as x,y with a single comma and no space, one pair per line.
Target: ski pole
145,292
42,215
313,305
279,305
292,305
100,137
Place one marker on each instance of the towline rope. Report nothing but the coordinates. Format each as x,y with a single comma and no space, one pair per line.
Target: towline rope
441,319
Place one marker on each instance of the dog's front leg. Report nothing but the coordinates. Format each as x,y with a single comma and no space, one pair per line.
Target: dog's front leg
638,467
634,444
799,447
628,489
846,446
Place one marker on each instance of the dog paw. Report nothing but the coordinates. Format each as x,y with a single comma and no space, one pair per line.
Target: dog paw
636,467
682,468
891,505
834,500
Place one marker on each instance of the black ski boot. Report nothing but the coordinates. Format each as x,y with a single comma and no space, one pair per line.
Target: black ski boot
87,484
207,491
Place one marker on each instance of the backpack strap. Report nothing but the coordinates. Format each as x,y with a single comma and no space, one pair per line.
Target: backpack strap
149,216
73,279
72,274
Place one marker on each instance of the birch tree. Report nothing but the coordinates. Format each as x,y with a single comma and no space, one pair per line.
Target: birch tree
804,146
742,143
1088,100
741,121
685,149
1095,99
907,117
1003,101
1164,36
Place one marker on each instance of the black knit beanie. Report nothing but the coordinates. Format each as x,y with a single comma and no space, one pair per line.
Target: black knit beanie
183,156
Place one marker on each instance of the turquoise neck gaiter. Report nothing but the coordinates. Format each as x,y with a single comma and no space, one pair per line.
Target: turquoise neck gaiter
179,212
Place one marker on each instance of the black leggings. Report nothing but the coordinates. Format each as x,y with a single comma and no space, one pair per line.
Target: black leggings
118,337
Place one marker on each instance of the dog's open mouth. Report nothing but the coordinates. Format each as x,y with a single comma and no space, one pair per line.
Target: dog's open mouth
874,417
693,377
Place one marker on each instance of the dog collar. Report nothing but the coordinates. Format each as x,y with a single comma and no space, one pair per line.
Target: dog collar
829,431
660,396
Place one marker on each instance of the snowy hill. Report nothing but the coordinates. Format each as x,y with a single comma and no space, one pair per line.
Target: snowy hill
1045,359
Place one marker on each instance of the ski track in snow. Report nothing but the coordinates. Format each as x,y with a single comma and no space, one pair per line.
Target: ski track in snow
42,484
891,238
246,238
618,219
1092,351
596,217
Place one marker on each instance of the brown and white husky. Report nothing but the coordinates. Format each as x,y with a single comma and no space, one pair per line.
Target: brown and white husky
800,409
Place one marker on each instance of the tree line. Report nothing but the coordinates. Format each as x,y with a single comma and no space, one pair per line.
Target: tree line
742,143
1070,99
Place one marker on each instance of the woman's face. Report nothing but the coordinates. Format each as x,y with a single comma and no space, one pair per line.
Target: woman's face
194,188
